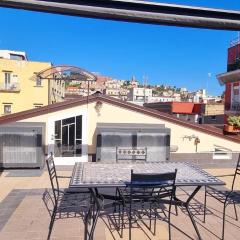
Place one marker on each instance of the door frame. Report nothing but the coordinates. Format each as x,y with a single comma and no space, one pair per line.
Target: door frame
51,137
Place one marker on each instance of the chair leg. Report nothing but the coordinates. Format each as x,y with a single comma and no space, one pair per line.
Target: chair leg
122,219
176,210
95,219
223,226
155,222
205,205
51,223
235,209
150,218
87,221
119,216
86,225
169,223
130,222
116,193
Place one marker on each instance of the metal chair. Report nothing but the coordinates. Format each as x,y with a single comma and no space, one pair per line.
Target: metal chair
144,197
224,195
71,204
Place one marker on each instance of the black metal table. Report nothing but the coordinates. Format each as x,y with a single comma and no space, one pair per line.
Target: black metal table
96,175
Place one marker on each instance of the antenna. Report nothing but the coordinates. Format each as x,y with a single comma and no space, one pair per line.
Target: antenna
238,42
145,81
209,78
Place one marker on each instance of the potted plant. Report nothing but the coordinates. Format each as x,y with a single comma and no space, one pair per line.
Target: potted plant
233,124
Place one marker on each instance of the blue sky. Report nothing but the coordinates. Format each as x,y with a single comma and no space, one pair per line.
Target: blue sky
167,55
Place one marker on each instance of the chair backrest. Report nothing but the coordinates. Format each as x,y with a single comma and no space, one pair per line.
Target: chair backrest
53,177
237,172
144,185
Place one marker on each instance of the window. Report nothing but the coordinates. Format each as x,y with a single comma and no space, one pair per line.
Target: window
68,137
16,57
222,153
7,80
7,109
213,117
235,91
38,81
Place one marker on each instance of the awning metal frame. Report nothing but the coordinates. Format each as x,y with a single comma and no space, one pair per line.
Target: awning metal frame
53,72
136,11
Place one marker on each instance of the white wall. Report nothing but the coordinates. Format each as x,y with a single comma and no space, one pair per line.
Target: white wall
114,114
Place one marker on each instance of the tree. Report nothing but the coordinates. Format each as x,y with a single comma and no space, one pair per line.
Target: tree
126,83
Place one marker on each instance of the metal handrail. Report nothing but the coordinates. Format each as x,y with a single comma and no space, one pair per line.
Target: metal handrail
10,87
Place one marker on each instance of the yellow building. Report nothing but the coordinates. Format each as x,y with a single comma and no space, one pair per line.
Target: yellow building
19,87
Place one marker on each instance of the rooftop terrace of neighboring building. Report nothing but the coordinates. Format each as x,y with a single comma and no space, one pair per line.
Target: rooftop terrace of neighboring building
14,55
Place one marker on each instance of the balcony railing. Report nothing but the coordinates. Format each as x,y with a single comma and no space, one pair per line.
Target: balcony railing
12,87
235,107
233,66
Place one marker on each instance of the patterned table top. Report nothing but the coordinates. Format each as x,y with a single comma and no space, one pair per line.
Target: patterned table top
118,174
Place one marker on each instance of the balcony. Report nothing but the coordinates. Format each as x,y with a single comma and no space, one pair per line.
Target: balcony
233,66
232,108
12,87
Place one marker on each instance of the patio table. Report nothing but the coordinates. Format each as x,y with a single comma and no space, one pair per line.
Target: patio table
99,175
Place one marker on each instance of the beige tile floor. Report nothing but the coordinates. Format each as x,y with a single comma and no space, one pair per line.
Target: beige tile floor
30,218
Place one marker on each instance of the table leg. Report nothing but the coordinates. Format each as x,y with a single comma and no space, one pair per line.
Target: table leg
186,205
93,213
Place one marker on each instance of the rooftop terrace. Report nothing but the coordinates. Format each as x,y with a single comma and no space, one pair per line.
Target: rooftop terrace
23,214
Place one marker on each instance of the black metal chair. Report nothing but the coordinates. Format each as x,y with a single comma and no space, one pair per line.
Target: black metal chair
224,195
72,204
145,196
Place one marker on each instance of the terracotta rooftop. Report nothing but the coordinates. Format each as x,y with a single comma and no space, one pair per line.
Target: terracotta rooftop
211,130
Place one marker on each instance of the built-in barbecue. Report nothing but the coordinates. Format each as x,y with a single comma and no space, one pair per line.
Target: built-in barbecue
140,142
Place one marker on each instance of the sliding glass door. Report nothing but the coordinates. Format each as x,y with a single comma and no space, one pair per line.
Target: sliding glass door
68,137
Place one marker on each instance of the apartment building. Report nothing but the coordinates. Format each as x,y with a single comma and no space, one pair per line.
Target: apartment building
112,92
231,80
14,55
211,113
139,94
20,89
161,99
